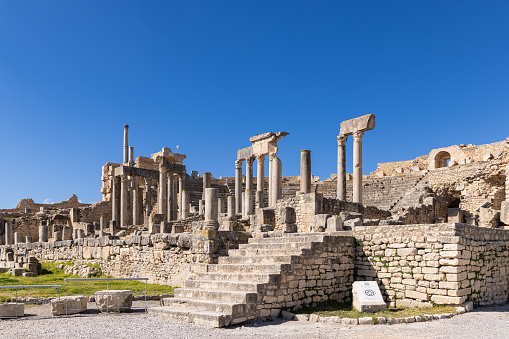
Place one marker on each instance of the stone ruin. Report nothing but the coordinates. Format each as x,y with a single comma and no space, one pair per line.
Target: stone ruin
428,230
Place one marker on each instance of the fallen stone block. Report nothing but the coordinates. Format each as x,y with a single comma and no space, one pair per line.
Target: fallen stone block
69,305
367,297
12,310
114,300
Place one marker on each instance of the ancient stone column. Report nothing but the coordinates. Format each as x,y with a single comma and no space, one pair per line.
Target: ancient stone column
162,198
115,203
249,187
357,166
102,222
243,197
221,206
9,235
206,183
181,189
185,205
238,186
131,156
124,202
43,233
305,171
18,238
211,216
28,239
277,180
260,180
135,206
126,145
231,206
271,161
341,177
174,202
171,211
148,200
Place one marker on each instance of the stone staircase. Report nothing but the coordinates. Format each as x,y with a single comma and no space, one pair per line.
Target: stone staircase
233,290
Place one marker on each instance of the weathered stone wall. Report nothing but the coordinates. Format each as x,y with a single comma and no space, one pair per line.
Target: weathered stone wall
442,263
163,259
323,273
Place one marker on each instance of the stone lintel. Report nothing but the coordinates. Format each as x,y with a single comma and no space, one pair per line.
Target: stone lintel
167,154
148,173
362,124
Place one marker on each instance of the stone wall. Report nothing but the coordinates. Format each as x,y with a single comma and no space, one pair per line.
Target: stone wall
322,273
442,263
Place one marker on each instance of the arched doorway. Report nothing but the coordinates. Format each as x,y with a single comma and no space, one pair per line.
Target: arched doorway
442,159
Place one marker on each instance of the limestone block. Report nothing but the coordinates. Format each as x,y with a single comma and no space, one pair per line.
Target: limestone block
69,305
289,228
488,217
334,223
455,215
367,297
287,215
443,300
114,300
351,223
504,212
12,310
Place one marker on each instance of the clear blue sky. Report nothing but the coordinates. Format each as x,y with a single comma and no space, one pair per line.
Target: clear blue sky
207,75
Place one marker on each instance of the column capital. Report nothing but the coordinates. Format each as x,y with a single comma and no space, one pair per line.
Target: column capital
123,178
249,161
260,158
357,135
342,139
272,156
238,163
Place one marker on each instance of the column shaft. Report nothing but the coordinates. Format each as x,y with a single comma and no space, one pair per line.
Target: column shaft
162,194
260,180
126,145
277,180
341,177
136,198
249,186
115,203
357,166
170,188
238,186
305,171
124,202
206,183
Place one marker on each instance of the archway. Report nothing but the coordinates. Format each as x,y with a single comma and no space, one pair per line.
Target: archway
442,159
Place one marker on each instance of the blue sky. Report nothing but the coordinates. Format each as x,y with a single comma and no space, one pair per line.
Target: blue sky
207,75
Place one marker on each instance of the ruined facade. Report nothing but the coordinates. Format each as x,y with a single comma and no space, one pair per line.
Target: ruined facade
428,230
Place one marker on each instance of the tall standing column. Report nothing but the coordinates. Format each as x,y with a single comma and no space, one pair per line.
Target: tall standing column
148,200
124,201
43,233
126,145
181,196
305,171
238,186
115,203
249,186
9,235
171,211
136,198
357,166
131,156
185,205
341,177
277,180
206,183
271,161
231,206
211,216
162,198
260,180
174,203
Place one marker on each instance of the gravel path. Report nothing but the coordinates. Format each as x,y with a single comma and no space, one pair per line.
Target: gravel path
486,322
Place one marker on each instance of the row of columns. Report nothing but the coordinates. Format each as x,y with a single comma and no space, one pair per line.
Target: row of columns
168,200
357,167
275,183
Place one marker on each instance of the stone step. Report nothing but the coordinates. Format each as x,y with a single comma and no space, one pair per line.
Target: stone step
216,295
287,259
264,252
276,245
234,309
290,238
237,286
235,276
252,268
207,318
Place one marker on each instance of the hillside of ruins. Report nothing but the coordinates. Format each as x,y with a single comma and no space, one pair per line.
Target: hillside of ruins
434,229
